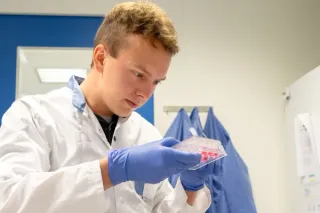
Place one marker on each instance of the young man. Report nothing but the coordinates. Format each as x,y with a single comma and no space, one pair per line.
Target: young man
82,148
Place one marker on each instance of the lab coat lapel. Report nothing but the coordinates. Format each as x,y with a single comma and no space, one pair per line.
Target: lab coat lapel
94,128
125,133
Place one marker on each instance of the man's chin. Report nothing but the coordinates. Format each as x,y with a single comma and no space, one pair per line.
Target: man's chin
124,113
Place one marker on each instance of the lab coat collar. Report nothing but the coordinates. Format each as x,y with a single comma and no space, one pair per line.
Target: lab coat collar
78,98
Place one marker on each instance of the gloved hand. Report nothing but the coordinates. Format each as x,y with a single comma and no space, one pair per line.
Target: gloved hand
149,163
193,180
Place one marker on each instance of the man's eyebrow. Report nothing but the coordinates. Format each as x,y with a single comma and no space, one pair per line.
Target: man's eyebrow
147,72
143,69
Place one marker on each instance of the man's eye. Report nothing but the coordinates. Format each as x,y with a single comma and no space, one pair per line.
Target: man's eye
138,74
157,82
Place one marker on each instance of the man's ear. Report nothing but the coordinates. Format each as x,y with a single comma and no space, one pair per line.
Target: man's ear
99,55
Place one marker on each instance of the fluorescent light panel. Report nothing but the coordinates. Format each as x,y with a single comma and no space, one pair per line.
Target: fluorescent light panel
59,75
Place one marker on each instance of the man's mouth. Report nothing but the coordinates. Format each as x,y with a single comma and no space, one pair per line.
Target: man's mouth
132,104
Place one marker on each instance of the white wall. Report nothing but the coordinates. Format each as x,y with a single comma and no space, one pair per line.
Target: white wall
304,98
237,57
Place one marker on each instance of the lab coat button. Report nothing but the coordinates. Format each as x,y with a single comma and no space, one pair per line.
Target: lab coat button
100,130
114,138
121,200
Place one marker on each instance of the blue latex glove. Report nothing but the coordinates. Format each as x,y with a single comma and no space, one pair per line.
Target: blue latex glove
149,163
193,180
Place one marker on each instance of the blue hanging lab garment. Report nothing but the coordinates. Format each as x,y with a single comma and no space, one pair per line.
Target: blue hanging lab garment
180,127
234,194
195,121
180,130
212,184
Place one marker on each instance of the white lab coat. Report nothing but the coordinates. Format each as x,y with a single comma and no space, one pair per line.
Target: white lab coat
49,162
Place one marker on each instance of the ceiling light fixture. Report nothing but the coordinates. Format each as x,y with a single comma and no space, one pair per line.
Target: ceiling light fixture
59,75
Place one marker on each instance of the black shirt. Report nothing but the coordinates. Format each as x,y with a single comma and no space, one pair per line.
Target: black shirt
108,127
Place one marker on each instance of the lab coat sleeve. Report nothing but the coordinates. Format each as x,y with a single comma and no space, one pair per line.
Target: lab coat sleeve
169,200
26,183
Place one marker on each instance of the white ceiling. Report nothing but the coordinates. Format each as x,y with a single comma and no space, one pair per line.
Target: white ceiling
31,58
71,7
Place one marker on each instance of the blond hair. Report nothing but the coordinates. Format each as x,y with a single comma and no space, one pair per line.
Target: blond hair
144,18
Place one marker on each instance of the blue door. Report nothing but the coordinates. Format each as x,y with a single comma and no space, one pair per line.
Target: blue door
44,31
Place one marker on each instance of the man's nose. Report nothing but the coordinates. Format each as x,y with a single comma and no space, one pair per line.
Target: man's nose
145,90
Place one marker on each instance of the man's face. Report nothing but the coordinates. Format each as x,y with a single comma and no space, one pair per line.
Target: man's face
129,80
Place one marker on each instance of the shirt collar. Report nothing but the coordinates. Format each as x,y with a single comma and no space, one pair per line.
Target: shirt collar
78,99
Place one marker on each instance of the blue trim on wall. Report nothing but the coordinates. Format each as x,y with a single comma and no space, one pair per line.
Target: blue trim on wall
44,31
